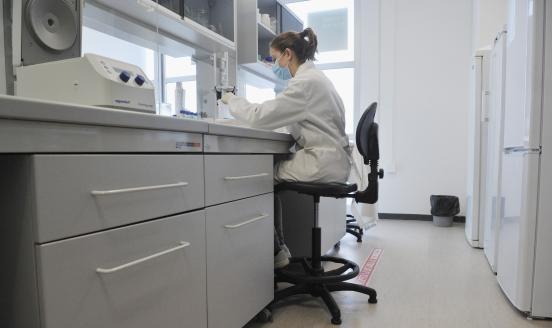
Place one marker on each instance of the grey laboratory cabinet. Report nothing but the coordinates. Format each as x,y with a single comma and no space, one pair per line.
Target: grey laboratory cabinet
135,240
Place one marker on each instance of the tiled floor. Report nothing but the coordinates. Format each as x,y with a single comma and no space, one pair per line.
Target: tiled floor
427,277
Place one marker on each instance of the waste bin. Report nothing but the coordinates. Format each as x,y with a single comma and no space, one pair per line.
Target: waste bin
443,209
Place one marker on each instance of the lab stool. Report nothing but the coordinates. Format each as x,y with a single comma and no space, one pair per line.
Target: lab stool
307,274
311,279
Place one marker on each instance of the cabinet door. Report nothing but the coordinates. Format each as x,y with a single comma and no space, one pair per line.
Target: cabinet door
240,260
288,21
216,15
141,276
79,194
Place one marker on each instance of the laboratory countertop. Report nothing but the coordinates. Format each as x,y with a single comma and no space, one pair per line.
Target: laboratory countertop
25,109
226,129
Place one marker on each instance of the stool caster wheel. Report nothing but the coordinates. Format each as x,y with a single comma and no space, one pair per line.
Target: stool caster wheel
264,316
337,245
336,321
373,300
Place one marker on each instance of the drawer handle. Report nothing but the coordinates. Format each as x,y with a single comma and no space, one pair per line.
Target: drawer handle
121,191
182,245
246,177
234,226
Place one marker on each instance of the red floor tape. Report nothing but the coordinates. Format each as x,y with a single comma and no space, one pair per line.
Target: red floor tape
369,266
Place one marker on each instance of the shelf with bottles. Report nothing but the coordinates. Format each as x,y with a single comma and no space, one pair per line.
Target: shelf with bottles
265,32
260,21
267,16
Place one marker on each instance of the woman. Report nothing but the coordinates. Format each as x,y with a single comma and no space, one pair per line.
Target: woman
311,110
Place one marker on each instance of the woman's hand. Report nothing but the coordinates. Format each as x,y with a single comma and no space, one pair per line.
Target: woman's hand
226,97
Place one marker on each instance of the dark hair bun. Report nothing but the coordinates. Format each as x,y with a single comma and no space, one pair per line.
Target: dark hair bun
312,42
304,44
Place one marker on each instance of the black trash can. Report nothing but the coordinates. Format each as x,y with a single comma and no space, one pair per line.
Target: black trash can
443,209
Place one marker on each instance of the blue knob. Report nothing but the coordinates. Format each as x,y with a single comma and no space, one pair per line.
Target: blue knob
139,79
124,76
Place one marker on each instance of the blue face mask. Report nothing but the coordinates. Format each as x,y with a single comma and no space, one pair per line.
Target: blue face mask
281,72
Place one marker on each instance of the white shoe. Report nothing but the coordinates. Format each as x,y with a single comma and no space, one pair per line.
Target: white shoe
281,259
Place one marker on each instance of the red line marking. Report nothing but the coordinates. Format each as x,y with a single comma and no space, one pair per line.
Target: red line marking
369,266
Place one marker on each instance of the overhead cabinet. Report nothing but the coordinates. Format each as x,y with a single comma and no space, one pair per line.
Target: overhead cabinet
207,24
216,15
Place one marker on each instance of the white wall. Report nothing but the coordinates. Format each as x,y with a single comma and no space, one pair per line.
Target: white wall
425,57
489,18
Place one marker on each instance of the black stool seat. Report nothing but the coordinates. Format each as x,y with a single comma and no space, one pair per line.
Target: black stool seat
332,189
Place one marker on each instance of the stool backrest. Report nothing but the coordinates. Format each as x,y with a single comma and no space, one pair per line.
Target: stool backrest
367,135
368,146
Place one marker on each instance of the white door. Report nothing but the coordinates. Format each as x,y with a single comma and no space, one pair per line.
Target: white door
472,217
483,124
542,285
477,155
491,199
520,167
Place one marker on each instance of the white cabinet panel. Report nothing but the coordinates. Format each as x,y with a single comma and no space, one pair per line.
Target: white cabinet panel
146,275
240,260
78,194
231,177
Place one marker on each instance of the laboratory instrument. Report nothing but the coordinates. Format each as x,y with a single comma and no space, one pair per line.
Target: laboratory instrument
45,30
89,80
223,112
179,98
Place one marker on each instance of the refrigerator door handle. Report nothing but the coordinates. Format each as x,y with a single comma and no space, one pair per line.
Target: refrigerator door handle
522,150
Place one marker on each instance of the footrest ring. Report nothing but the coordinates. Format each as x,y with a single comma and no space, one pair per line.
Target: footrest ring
298,277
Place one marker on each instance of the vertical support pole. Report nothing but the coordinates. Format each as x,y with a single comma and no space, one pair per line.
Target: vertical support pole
316,239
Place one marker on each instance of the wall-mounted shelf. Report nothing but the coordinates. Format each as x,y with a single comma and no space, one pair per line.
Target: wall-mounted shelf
265,32
261,69
156,16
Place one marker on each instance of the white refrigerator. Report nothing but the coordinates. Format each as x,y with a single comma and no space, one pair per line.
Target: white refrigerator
491,201
524,265
477,153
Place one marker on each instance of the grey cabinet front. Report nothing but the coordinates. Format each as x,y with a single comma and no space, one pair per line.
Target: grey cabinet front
79,194
240,260
232,177
141,276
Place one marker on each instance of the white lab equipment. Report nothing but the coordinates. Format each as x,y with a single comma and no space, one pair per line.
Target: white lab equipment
223,111
524,267
314,114
45,30
477,149
88,80
179,98
491,202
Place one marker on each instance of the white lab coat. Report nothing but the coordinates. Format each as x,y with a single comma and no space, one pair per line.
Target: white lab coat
312,111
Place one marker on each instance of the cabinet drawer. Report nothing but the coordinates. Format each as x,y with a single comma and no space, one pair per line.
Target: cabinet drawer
231,177
78,194
145,275
240,260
